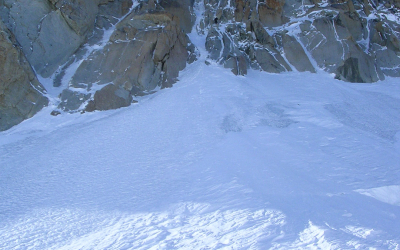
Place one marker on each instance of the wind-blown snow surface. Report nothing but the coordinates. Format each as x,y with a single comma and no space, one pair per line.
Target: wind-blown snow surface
289,161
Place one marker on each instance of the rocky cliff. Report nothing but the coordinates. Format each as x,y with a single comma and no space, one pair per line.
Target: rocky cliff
358,41
21,94
147,49
103,53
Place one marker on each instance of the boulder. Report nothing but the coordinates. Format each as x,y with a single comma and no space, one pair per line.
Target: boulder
110,97
21,94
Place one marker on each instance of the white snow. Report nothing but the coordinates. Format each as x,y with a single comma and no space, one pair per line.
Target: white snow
388,194
360,232
264,161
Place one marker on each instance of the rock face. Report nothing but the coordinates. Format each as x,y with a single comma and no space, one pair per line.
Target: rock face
358,41
21,95
50,31
147,50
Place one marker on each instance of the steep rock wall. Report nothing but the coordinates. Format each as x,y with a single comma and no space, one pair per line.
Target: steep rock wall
21,95
358,41
147,50
50,31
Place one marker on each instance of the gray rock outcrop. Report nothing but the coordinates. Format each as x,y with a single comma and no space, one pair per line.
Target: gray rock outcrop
147,49
50,31
358,41
21,94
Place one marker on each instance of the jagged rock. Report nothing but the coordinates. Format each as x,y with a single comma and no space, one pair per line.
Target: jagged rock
21,94
224,48
50,31
333,47
46,38
109,13
333,34
147,49
139,50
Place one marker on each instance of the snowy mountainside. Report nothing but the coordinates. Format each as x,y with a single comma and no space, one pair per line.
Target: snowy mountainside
102,54
263,161
266,161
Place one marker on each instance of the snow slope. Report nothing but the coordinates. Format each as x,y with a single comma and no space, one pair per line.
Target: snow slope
266,161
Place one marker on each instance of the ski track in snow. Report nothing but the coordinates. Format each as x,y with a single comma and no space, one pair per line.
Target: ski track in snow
266,161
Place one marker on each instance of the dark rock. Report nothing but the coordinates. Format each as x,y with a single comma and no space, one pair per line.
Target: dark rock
350,71
50,31
356,70
147,49
45,37
338,30
79,14
109,97
21,94
55,113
